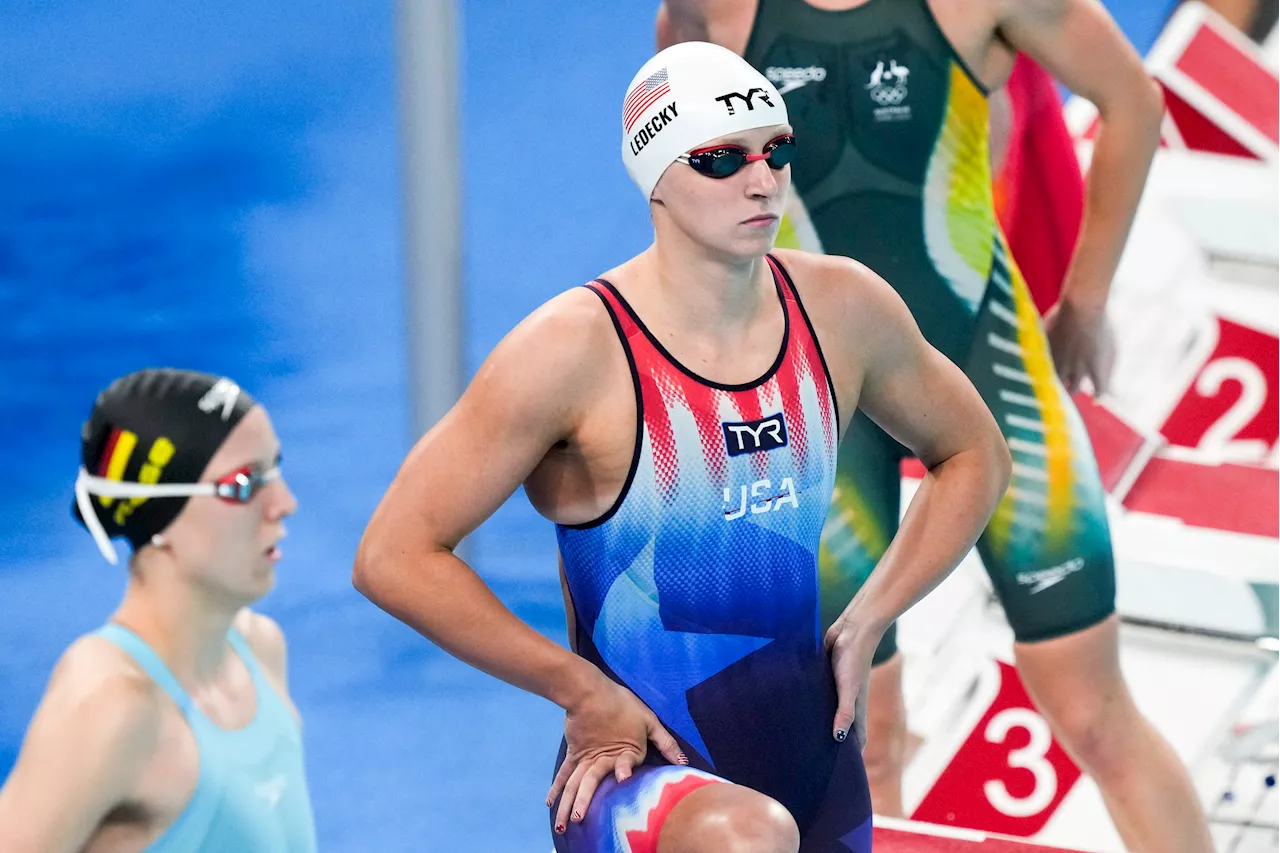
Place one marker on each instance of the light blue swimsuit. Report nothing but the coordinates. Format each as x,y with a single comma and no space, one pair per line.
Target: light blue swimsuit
251,796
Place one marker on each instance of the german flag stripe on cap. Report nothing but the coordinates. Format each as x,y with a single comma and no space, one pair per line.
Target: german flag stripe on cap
115,457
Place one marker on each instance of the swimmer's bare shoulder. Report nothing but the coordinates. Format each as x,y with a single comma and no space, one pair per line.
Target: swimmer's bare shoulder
268,644
534,392
97,729
539,389
858,317
546,376
881,363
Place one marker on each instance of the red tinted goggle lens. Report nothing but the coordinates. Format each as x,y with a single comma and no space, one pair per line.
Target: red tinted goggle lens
725,160
241,485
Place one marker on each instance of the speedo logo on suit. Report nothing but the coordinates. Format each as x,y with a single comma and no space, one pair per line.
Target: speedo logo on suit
750,436
653,127
790,79
1042,579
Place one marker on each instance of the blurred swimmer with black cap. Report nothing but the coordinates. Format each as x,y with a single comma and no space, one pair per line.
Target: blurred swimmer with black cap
170,729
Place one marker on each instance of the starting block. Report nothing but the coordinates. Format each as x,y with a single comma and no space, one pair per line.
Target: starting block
901,836
1190,435
1220,94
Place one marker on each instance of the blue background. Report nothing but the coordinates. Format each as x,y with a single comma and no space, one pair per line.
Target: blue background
217,187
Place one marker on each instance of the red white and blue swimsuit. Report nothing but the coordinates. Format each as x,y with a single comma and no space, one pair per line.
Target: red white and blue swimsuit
698,590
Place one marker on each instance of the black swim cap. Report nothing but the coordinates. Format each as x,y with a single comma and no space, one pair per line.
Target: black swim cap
155,426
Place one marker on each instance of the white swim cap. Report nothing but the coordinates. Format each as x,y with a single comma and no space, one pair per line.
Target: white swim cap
685,96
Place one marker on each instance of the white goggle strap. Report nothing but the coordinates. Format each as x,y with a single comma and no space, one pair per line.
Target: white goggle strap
87,484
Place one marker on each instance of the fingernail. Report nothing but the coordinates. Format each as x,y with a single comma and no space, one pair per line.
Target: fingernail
576,816
682,758
841,734
559,829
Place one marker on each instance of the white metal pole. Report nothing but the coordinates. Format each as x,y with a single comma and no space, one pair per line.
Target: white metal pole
427,42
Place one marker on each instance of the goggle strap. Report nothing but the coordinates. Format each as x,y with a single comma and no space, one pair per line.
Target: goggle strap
87,484
117,489
90,517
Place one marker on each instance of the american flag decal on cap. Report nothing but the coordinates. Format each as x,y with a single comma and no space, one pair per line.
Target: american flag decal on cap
642,97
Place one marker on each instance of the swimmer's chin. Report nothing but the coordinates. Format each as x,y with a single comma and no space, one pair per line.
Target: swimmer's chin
264,575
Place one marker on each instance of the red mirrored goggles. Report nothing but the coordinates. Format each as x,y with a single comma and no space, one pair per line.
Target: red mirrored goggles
722,161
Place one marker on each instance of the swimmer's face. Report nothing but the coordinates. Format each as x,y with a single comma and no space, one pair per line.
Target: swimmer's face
229,548
737,216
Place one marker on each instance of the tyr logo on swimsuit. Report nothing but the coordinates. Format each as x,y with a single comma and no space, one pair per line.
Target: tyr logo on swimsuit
727,99
749,436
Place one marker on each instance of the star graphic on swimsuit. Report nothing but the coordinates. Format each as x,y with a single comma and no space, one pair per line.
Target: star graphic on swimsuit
656,664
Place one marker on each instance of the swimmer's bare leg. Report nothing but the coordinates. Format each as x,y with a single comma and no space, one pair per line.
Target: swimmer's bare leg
884,753
1076,683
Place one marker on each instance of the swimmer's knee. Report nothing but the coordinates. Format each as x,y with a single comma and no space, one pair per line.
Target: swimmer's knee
1078,686
1096,727
761,828
729,819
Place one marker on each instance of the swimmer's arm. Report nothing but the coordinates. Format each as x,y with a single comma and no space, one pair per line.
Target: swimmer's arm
1078,43
83,753
679,21
698,20
664,28
526,397
923,400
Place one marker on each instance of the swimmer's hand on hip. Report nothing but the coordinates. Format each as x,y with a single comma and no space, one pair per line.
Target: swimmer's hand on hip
608,730
851,647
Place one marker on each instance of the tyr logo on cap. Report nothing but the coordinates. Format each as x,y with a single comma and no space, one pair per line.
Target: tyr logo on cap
224,393
727,99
